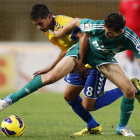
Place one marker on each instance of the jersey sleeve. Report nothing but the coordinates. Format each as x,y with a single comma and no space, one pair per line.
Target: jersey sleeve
61,21
86,25
74,33
91,26
136,50
135,46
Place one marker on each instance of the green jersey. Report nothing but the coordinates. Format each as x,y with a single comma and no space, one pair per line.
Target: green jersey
103,49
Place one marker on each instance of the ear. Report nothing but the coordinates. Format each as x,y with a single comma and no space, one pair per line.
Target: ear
121,31
49,16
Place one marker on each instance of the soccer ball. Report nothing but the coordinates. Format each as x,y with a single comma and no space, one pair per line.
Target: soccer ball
12,126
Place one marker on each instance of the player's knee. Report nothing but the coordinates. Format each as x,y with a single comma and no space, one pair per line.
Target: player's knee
68,97
130,92
48,79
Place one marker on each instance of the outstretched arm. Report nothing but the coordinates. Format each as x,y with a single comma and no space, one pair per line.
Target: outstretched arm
43,71
68,27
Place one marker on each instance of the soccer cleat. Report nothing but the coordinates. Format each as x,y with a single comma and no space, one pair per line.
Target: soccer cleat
136,84
5,102
124,131
86,131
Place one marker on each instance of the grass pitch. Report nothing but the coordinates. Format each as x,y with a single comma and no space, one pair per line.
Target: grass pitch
48,117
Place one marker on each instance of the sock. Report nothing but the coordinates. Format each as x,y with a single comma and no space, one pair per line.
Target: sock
85,115
108,97
127,107
32,86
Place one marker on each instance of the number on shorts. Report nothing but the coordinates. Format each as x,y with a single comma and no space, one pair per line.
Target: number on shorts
89,91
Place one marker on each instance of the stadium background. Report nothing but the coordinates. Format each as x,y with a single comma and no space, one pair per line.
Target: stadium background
24,49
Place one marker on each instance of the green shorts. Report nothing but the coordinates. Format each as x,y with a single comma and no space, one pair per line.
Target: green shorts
90,57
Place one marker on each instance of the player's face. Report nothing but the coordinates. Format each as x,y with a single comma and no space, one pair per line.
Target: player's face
43,24
110,33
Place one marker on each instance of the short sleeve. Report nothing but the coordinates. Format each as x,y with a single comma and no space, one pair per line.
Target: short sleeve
90,26
136,50
134,45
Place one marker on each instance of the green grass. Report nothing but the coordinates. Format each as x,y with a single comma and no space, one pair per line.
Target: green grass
48,117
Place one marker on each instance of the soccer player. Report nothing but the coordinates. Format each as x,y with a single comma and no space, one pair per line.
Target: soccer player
106,38
94,83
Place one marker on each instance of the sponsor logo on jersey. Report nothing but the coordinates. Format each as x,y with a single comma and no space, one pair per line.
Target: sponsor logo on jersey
95,43
138,46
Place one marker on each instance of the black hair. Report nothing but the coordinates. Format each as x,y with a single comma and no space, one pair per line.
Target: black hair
116,21
39,11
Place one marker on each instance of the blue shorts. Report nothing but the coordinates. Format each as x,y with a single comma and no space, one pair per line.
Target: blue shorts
94,83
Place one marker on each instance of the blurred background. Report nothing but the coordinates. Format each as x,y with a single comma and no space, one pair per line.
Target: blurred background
24,49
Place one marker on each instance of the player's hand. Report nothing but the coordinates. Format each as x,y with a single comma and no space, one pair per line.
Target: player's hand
82,70
43,71
56,33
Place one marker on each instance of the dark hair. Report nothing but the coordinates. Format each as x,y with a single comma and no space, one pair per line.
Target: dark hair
115,21
39,11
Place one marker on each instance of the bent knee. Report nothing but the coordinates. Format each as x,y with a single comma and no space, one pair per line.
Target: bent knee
130,92
48,79
67,98
70,97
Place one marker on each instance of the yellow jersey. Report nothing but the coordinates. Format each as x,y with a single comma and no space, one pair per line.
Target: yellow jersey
67,41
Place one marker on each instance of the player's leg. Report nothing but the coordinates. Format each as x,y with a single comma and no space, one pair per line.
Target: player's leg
76,103
71,95
117,76
65,66
92,84
108,97
94,89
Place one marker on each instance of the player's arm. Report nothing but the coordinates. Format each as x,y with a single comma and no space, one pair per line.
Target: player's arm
68,27
60,56
84,45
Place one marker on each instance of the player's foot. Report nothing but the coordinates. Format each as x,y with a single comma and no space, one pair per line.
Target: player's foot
136,84
5,102
86,131
124,131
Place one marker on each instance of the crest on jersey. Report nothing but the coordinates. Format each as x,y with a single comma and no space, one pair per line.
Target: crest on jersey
87,27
